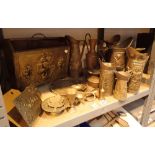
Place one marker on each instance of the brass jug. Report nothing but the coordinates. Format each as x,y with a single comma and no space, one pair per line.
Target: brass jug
106,83
91,57
75,60
120,91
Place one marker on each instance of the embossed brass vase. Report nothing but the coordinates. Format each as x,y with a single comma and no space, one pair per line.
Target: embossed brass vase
118,58
133,54
106,83
120,91
135,65
91,57
136,70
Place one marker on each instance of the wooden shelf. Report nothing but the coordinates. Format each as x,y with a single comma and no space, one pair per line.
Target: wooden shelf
85,111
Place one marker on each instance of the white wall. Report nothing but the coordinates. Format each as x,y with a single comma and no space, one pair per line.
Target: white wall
124,32
78,33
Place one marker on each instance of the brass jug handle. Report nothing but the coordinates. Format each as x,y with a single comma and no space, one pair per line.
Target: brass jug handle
36,35
85,43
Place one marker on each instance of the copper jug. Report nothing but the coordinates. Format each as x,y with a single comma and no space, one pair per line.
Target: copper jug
75,59
91,57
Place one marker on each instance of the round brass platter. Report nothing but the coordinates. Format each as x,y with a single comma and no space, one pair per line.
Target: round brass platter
54,104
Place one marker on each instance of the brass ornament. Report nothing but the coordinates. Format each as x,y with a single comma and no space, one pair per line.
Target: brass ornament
120,91
118,58
106,83
69,93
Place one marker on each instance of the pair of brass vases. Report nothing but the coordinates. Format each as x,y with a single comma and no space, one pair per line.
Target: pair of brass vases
76,56
127,81
107,82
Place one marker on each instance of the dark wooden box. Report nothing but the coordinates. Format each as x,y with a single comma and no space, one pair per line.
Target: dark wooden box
36,60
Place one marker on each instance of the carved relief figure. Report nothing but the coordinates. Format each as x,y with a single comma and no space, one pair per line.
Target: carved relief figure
60,63
136,77
27,72
118,58
44,66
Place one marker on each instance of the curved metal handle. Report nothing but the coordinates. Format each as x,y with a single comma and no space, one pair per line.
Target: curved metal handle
38,34
85,43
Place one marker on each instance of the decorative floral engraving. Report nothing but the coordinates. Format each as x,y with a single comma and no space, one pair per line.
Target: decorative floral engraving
27,72
44,66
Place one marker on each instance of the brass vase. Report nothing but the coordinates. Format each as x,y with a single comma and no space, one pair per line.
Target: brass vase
118,58
120,91
136,70
75,60
106,83
135,65
91,57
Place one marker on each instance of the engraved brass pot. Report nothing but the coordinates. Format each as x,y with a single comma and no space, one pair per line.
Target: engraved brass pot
106,83
120,91
118,58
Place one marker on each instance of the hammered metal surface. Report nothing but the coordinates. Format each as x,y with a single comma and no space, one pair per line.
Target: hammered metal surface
39,66
29,104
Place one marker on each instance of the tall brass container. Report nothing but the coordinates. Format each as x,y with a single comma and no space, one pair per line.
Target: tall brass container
106,79
91,57
136,69
118,58
120,91
75,60
135,65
